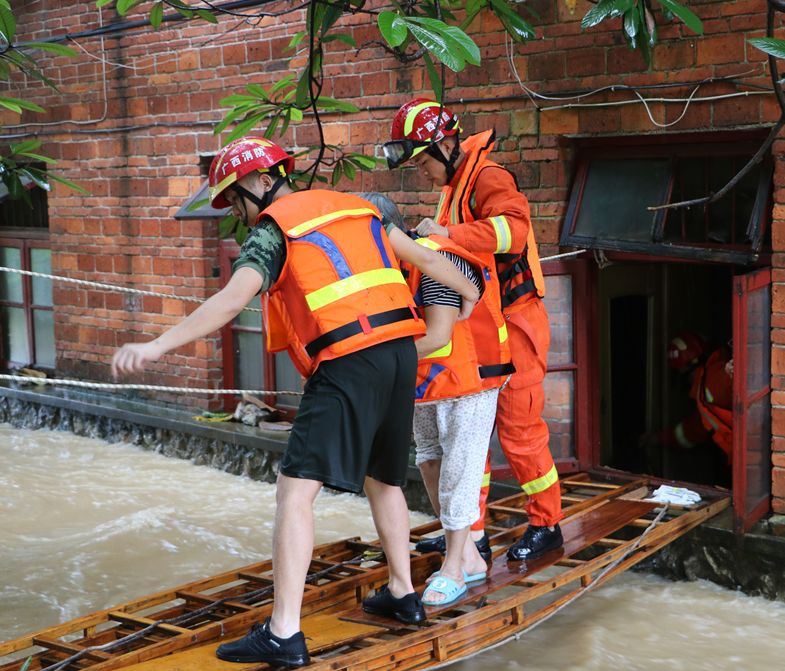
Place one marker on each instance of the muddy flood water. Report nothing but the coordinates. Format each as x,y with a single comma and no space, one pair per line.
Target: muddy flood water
85,525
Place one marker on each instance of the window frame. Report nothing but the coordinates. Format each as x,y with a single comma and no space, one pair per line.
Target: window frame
26,239
683,146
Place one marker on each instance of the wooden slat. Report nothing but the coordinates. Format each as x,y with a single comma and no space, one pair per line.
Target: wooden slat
142,622
68,648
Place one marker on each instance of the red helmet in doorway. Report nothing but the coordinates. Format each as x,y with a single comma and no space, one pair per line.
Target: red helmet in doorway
241,157
685,350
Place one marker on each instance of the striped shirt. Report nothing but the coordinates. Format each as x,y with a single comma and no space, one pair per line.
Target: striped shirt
434,293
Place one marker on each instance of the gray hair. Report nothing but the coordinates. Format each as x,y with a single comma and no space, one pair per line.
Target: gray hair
389,210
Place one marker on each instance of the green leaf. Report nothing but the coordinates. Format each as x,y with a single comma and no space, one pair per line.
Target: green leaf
258,91
38,157
433,77
8,104
393,28
26,145
302,97
103,3
281,84
605,9
517,27
7,24
6,5
207,15
436,43
59,49
36,179
337,173
244,126
365,162
24,104
769,45
333,105
632,22
341,37
157,15
68,183
124,5
296,39
685,14
470,50
226,226
349,169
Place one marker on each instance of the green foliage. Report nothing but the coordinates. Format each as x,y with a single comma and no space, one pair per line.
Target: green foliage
769,45
639,26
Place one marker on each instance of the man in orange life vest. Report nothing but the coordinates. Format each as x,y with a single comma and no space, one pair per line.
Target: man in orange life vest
712,391
482,210
336,300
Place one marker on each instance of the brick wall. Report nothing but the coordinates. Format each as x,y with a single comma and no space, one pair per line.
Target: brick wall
139,123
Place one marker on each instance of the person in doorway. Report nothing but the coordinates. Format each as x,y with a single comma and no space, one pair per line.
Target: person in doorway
482,210
711,388
455,405
336,300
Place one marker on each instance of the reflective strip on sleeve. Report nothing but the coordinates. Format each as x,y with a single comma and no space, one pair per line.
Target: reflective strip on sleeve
325,218
681,437
503,234
352,285
486,479
430,244
442,351
503,335
542,483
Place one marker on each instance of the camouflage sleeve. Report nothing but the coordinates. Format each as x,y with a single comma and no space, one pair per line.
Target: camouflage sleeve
264,250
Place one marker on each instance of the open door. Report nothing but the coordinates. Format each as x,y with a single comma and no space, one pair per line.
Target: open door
751,397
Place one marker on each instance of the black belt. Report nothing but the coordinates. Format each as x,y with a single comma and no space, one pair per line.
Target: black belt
509,297
496,370
356,327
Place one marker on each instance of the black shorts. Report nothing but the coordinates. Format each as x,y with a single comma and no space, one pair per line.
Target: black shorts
355,419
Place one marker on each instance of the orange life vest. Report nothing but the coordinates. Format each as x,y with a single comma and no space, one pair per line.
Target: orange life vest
478,354
520,275
712,386
341,289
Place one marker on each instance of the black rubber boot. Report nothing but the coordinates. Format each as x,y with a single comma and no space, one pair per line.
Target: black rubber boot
408,608
261,645
439,544
536,542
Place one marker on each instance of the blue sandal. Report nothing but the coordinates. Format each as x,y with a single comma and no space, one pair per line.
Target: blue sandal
446,587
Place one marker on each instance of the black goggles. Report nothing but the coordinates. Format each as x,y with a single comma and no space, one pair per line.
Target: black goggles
399,151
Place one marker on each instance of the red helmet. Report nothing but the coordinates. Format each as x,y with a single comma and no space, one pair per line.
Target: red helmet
416,125
241,157
685,349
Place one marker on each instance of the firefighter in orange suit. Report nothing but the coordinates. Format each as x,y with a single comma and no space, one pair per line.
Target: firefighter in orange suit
339,303
712,391
482,210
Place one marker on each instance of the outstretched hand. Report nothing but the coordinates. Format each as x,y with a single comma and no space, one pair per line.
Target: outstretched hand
133,357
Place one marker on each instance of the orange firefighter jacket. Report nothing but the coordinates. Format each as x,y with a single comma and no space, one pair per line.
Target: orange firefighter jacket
341,289
509,236
478,354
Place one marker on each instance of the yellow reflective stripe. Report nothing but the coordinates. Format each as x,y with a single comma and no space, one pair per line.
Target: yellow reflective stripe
439,207
503,333
351,285
486,479
709,396
408,124
541,483
430,244
442,351
503,234
318,221
231,178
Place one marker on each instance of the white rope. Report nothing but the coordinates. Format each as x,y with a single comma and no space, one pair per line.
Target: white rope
113,287
151,387
561,256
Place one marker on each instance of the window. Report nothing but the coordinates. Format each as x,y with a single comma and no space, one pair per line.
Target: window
616,184
247,363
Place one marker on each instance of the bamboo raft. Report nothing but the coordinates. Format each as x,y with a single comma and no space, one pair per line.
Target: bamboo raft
607,528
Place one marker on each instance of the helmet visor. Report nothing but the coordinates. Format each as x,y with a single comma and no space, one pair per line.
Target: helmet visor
400,151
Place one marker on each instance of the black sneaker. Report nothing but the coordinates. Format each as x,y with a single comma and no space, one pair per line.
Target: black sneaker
439,544
536,542
261,645
408,608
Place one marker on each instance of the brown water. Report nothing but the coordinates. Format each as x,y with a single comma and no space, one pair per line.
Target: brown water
85,525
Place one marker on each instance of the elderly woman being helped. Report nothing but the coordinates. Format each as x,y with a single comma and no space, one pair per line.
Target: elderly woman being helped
462,365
